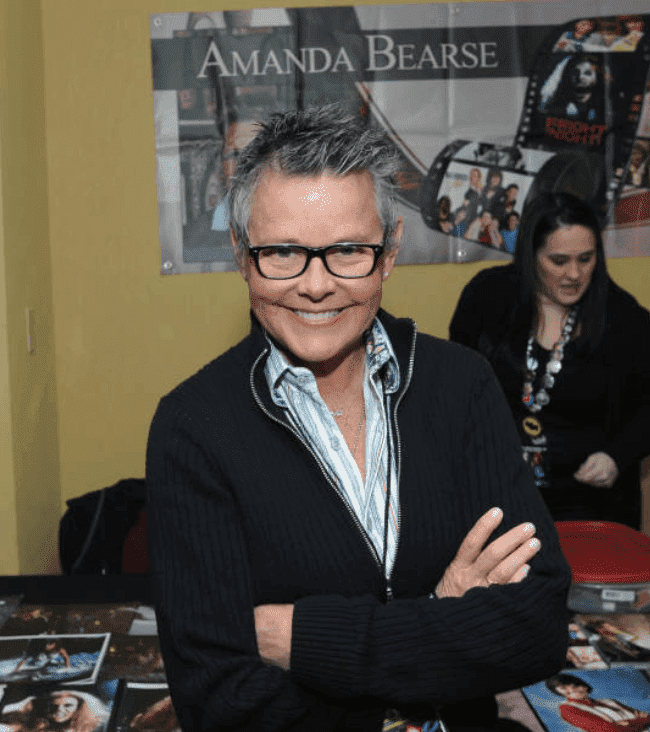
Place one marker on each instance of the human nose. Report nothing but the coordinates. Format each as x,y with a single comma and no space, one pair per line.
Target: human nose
573,271
316,282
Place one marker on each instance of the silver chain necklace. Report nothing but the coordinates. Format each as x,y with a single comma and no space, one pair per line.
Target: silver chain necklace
356,442
339,413
535,402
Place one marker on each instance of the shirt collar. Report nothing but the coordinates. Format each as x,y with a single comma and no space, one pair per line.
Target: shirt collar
379,353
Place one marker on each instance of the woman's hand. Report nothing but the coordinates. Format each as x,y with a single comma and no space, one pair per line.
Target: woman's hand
503,561
273,626
599,470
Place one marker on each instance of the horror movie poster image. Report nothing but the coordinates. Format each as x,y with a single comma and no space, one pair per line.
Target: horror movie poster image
499,101
587,100
53,708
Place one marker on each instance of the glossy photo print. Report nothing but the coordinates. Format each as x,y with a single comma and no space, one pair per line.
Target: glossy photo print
52,658
592,701
52,708
145,708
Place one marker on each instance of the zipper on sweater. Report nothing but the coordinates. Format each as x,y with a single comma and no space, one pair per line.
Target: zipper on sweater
398,460
287,426
398,457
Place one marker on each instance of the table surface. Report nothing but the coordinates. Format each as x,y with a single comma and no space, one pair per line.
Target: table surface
78,588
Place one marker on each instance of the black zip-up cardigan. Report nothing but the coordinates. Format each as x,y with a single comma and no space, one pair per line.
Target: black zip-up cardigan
240,513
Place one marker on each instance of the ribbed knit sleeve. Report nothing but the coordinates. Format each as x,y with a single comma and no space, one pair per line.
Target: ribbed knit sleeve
437,651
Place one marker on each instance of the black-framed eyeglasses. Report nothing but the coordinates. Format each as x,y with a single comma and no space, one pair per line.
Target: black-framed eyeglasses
347,260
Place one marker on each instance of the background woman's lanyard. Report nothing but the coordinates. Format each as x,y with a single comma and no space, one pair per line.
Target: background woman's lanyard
532,425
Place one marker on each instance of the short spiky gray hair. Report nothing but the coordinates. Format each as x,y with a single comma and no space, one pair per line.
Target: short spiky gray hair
311,142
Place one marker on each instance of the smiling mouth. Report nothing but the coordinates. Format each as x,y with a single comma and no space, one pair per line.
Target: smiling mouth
317,316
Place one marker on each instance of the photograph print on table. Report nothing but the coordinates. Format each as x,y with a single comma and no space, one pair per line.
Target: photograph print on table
515,715
52,708
134,658
622,639
592,701
145,708
60,658
580,653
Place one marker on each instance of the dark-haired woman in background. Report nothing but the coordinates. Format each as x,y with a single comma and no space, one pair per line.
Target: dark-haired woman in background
572,352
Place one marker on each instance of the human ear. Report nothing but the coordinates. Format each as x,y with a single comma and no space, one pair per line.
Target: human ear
388,259
241,260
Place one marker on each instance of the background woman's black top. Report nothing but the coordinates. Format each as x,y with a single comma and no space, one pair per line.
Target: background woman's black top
599,402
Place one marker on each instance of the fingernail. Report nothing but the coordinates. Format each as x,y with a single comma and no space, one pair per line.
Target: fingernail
533,543
496,512
529,528
525,569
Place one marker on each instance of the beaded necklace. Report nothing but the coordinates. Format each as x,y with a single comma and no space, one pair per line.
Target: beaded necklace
532,426
553,367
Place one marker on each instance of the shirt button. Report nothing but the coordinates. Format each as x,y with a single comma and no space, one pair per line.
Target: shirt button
302,380
335,443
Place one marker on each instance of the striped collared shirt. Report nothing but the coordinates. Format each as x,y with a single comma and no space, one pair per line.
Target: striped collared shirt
294,389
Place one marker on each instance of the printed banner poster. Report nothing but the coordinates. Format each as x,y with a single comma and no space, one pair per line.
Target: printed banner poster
487,105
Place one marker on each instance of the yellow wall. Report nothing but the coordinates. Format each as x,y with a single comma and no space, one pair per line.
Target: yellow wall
31,491
8,528
123,334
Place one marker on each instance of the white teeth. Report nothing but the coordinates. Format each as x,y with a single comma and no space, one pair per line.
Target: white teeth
317,316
